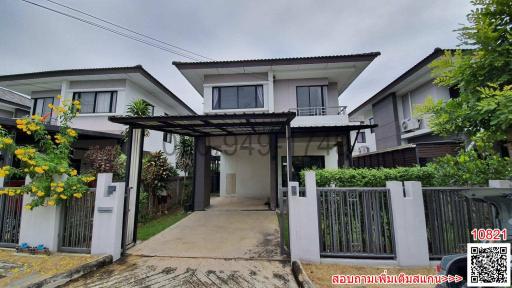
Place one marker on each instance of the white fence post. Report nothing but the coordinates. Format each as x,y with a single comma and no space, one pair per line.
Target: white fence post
108,217
40,225
409,225
303,221
500,184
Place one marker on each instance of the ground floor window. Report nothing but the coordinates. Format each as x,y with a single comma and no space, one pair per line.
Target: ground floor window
300,163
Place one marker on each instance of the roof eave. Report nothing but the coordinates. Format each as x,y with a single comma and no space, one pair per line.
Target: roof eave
278,61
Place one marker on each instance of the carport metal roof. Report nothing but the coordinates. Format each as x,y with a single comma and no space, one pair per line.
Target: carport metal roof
212,125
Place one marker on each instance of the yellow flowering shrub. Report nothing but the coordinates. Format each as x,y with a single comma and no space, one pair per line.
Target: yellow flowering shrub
47,163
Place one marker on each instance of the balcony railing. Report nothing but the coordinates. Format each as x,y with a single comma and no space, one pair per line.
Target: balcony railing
320,111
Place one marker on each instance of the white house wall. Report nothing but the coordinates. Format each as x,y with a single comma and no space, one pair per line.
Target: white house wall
251,170
155,140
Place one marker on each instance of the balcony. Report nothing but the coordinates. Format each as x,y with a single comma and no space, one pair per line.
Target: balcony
320,116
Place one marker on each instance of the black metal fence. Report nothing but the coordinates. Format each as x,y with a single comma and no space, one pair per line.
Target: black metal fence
355,222
10,216
76,233
450,217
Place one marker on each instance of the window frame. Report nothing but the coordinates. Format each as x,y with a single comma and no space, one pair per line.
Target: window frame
34,104
309,94
112,104
361,134
167,138
238,96
371,121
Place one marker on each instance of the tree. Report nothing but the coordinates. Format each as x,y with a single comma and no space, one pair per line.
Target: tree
139,108
156,172
108,159
185,162
47,163
483,75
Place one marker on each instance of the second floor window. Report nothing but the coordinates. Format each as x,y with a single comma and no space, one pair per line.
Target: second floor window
311,100
40,106
237,97
361,138
97,102
371,121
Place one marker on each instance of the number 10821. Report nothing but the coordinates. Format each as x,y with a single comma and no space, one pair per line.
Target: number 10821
489,234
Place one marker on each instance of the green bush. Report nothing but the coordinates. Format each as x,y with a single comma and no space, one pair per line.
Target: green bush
371,177
468,168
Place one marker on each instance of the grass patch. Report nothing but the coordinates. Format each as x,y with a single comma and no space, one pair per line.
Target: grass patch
155,226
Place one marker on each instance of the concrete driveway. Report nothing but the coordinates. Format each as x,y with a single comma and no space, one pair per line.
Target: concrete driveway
235,243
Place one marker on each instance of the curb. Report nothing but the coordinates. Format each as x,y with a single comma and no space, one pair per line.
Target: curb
63,278
300,276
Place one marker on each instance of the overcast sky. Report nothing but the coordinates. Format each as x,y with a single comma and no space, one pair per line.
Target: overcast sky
404,31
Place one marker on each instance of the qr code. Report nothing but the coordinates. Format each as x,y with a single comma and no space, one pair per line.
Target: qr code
489,265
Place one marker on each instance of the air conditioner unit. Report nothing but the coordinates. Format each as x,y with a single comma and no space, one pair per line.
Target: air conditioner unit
410,124
363,149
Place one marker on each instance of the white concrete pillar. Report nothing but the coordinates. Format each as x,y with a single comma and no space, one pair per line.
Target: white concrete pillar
108,217
303,221
500,184
409,225
40,225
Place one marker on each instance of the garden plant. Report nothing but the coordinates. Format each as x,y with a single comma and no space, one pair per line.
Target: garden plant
47,162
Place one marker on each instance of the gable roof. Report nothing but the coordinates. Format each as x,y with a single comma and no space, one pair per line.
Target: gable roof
411,71
15,99
138,69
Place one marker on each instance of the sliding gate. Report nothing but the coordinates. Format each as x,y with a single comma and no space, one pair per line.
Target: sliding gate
355,222
76,233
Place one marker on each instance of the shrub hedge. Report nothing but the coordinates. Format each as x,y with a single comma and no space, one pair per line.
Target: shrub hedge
372,177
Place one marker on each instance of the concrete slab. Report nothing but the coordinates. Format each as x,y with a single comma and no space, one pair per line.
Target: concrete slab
224,231
235,243
138,271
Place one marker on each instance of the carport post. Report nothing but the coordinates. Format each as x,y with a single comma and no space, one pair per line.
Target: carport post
127,189
139,177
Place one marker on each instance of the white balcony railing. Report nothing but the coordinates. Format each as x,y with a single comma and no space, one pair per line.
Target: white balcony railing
320,116
320,111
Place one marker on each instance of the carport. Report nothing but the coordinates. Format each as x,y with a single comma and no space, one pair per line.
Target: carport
202,128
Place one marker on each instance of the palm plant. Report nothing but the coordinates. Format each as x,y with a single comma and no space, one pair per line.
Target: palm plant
139,108
185,161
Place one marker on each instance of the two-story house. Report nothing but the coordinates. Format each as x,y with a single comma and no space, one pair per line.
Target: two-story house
13,105
103,92
256,112
402,138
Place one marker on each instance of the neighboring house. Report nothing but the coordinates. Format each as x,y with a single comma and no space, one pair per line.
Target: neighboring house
13,104
103,92
401,138
248,105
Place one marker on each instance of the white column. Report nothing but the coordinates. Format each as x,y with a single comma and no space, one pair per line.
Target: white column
40,225
500,184
108,217
409,225
64,93
133,181
271,100
303,221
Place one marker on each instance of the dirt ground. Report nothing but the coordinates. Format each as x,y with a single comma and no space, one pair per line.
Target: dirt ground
19,270
138,271
321,274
